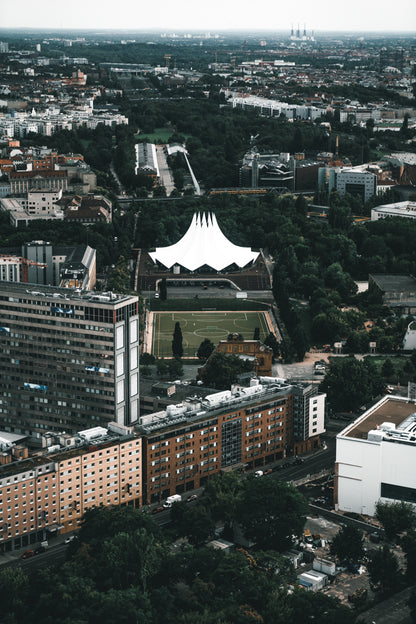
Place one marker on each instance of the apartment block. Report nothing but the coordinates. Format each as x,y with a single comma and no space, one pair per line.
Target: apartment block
68,359
48,491
246,427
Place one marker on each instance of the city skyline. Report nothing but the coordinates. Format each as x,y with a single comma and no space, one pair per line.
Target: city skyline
368,17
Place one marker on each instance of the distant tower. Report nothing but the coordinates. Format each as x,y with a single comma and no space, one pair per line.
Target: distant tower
337,146
304,30
291,32
298,33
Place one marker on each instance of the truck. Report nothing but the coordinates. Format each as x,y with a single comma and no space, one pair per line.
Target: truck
175,498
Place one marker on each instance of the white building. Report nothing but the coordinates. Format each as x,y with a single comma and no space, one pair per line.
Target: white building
409,340
40,202
274,108
406,209
376,457
312,580
203,244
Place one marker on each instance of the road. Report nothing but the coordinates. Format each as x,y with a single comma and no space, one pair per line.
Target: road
188,292
165,175
54,555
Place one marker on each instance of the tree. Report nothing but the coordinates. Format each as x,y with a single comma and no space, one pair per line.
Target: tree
223,492
271,341
387,370
159,191
163,289
395,517
384,570
205,349
350,383
175,368
300,341
256,335
409,547
198,525
271,512
161,368
412,598
119,280
223,370
177,347
347,544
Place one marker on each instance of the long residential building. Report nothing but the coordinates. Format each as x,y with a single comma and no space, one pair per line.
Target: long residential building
244,428
48,483
48,492
68,359
375,457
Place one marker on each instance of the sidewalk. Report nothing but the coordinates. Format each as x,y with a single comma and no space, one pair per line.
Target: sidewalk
14,555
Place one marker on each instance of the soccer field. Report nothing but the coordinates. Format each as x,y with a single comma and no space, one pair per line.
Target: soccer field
196,326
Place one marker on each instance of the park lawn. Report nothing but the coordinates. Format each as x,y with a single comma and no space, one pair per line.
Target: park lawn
158,135
196,326
162,134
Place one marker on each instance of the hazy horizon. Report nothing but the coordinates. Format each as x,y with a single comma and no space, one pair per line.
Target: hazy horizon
218,16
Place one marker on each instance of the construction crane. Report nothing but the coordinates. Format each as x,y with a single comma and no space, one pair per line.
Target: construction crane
25,263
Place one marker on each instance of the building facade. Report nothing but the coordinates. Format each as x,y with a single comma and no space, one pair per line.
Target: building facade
186,444
253,350
47,492
404,209
68,360
41,263
375,455
43,179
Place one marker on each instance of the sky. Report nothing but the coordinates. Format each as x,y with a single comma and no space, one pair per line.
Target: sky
210,15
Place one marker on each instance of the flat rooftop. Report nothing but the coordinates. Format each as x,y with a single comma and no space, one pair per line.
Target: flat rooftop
390,409
69,294
394,283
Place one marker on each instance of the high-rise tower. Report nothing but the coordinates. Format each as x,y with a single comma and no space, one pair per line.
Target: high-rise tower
68,360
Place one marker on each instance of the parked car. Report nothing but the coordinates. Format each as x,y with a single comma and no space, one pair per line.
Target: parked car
157,510
69,539
27,554
191,498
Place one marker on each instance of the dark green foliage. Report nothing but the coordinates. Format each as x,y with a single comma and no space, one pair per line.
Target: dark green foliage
395,517
271,341
119,280
387,370
175,368
270,512
122,570
205,349
163,289
347,544
384,571
147,359
412,604
350,383
408,544
162,368
222,370
177,347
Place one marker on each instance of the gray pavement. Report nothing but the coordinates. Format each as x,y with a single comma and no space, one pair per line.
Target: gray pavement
164,171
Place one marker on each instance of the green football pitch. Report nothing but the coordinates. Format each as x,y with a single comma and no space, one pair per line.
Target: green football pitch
196,326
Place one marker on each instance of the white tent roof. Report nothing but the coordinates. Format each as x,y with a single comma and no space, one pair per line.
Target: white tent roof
203,243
